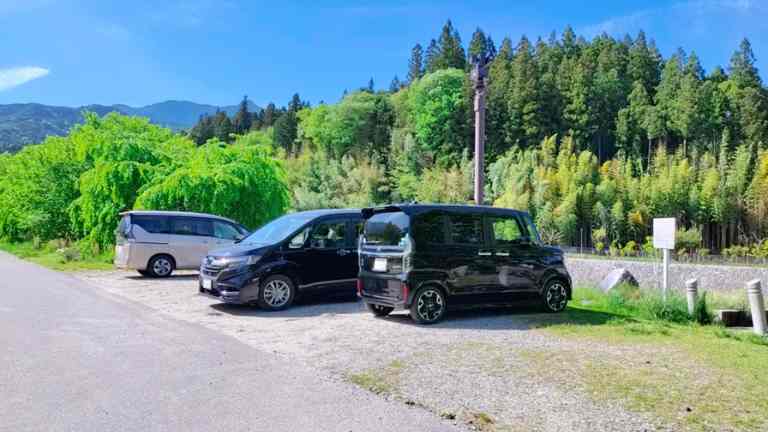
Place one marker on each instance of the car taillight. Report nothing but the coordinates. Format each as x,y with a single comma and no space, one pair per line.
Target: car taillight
404,287
360,287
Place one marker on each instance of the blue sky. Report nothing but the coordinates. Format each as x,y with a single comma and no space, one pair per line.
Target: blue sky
139,52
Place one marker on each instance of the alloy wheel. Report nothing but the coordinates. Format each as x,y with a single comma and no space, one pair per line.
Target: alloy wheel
276,293
162,266
430,305
556,297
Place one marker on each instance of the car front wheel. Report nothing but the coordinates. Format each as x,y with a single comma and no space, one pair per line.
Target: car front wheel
276,293
555,296
429,305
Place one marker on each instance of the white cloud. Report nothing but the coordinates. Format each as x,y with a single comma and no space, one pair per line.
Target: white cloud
13,77
692,15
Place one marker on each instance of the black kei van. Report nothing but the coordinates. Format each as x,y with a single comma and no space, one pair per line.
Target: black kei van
312,252
425,258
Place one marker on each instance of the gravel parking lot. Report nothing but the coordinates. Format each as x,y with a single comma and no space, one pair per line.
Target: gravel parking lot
475,367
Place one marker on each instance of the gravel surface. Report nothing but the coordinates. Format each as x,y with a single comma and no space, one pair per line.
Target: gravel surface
471,367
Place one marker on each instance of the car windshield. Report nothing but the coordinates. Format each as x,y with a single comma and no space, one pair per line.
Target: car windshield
386,229
278,229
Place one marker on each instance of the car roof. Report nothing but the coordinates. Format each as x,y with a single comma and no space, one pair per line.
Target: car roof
329,212
414,209
176,213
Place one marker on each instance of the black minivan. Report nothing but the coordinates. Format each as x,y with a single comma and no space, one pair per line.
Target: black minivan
424,258
311,252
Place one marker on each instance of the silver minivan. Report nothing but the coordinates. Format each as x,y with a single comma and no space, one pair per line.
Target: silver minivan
155,243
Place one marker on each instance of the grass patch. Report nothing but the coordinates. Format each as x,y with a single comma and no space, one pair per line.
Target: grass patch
60,255
381,381
654,359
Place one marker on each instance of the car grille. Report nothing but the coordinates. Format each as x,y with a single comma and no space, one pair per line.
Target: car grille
210,270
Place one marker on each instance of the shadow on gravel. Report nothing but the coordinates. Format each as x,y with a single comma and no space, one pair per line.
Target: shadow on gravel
304,307
175,277
521,317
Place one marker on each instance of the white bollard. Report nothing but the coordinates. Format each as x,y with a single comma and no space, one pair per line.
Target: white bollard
757,306
692,294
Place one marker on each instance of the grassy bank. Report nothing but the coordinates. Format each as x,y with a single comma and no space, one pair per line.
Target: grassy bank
60,255
650,356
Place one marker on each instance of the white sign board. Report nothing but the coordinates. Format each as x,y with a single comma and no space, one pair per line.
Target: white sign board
664,233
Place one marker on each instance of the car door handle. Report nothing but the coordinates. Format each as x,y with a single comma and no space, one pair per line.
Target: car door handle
484,253
342,252
528,266
502,253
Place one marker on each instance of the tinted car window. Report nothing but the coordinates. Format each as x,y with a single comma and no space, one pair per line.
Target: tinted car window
429,228
506,230
151,224
278,229
192,226
225,230
123,228
466,229
387,229
533,233
328,235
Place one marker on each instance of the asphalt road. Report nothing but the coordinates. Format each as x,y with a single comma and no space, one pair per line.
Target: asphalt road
73,358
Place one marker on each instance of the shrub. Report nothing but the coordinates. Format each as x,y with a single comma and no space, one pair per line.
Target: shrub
599,235
687,241
736,251
760,249
629,249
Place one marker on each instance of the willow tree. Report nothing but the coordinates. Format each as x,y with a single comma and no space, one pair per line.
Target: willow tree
241,182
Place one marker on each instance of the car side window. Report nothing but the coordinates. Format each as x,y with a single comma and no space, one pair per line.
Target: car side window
533,233
192,226
328,235
466,229
429,228
151,224
506,231
299,240
225,230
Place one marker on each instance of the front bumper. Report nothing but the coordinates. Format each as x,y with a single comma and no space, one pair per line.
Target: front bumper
230,297
233,287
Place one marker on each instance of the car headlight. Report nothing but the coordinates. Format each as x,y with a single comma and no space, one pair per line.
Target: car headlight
233,262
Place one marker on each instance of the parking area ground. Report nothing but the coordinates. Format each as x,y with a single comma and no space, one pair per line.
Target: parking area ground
488,369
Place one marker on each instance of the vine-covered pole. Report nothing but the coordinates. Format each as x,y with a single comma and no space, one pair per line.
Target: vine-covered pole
479,78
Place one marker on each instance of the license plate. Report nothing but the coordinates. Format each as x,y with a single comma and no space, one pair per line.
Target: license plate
206,284
380,264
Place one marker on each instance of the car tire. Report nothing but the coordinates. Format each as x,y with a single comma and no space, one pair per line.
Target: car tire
276,293
429,305
378,310
161,266
554,297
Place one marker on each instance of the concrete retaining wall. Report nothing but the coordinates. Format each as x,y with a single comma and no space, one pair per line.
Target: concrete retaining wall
589,272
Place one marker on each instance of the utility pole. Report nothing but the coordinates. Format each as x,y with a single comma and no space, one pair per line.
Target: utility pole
479,77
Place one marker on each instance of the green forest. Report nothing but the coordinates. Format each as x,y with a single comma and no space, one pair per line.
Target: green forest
594,138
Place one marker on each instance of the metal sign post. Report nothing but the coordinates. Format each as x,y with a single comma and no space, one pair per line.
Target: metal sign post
664,238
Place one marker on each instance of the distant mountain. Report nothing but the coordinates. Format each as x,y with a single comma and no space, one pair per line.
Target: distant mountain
22,124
